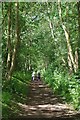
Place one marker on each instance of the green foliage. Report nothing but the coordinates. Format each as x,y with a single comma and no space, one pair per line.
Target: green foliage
6,100
64,85
24,77
14,91
74,89
48,76
38,49
18,84
6,97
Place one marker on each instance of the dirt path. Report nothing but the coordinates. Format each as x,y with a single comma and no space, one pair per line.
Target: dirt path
42,103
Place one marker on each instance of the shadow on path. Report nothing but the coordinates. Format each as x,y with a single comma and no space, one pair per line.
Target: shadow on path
42,103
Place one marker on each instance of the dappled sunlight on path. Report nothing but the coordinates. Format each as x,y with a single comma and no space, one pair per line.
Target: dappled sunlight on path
43,103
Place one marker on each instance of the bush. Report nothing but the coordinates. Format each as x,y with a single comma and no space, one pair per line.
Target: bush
25,77
64,85
6,97
18,84
14,91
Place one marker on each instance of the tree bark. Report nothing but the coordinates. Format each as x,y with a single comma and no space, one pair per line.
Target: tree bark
78,6
71,61
2,10
76,59
51,26
16,43
9,39
30,60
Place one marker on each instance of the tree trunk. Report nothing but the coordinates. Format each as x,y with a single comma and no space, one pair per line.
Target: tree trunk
9,39
51,26
2,10
16,43
30,60
71,61
78,6
76,59
70,64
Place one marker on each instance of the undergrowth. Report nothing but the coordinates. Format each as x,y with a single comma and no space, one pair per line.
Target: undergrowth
65,85
14,91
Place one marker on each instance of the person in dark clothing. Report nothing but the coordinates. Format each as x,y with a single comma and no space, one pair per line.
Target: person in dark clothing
38,75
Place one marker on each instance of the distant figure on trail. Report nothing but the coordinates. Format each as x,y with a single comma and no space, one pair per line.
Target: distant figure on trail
38,75
33,75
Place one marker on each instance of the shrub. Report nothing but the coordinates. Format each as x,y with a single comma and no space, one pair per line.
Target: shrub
64,85
14,91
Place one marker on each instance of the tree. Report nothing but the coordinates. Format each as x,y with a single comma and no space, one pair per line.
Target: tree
78,6
71,61
9,38
16,43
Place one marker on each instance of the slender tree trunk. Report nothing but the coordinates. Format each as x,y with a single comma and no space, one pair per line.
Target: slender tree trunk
30,60
16,43
50,24
2,9
70,64
78,6
9,39
25,64
76,59
51,28
68,55
71,61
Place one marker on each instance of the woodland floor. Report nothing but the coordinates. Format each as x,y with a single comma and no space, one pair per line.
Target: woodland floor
42,103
